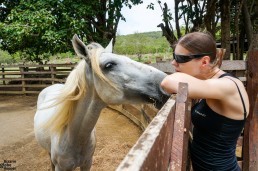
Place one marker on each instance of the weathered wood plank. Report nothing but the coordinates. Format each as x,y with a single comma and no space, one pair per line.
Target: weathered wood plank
36,72
240,164
166,67
37,65
240,141
141,115
11,73
134,117
32,79
227,65
182,122
10,85
233,65
253,139
11,92
19,92
150,110
239,148
250,157
23,81
27,85
37,85
152,150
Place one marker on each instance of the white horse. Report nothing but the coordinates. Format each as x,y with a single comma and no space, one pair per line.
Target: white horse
67,113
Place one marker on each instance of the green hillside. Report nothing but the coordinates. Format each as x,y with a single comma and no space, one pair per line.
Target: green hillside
142,43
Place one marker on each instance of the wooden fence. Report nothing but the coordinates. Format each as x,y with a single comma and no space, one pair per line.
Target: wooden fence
156,142
31,79
164,143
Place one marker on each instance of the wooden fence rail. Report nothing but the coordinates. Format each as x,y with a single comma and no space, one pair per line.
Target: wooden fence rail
31,79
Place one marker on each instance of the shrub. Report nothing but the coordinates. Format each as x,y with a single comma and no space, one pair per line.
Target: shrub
5,57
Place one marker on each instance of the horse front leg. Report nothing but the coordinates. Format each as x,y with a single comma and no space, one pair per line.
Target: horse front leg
52,165
86,166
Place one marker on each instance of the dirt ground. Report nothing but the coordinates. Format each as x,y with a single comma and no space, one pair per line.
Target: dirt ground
18,149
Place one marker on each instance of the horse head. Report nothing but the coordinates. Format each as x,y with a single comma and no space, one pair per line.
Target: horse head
118,79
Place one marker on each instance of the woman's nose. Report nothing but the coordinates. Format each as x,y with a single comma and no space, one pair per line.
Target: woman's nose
173,62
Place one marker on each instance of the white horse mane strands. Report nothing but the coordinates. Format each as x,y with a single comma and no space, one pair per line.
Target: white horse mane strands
74,88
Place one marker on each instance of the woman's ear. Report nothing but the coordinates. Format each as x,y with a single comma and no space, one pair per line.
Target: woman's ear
205,61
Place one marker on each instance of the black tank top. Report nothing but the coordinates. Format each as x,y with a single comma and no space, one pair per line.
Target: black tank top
214,138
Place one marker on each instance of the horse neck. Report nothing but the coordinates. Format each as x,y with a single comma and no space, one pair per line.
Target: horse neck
85,118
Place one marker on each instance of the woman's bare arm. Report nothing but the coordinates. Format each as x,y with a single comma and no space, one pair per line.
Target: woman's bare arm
199,89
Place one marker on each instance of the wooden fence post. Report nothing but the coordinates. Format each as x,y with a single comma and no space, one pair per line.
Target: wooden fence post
53,75
3,76
250,144
179,153
23,81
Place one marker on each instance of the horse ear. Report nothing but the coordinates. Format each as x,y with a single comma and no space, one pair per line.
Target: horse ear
109,47
80,48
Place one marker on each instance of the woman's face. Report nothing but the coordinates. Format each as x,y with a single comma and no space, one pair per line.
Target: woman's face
191,67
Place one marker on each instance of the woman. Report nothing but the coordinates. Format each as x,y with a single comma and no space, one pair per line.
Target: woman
219,116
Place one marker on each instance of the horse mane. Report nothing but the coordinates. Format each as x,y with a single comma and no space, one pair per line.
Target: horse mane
74,89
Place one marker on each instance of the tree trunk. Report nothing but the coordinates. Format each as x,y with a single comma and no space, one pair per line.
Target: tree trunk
238,7
167,29
225,26
177,18
247,23
209,18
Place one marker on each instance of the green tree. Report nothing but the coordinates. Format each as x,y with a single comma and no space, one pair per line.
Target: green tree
39,28
6,7
227,19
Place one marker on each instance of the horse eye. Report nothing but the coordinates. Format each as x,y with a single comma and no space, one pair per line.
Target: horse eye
109,65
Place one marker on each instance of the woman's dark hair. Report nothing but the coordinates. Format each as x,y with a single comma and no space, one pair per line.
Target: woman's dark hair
198,43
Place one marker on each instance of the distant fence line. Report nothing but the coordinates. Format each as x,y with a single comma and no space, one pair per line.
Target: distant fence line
31,79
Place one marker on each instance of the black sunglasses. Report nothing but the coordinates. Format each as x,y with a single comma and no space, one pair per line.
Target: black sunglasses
187,58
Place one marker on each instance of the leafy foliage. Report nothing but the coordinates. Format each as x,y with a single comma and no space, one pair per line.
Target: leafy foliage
33,28
40,28
5,8
5,57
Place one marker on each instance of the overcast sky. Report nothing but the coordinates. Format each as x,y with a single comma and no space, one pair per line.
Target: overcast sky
140,19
